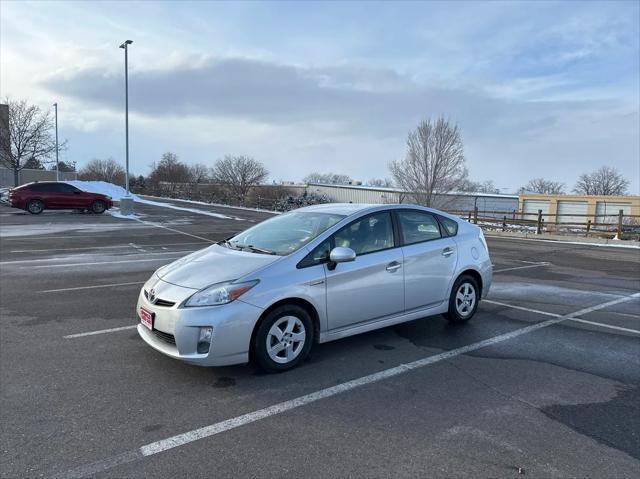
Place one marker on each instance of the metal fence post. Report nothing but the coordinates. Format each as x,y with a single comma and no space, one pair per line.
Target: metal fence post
475,215
469,216
588,227
504,223
620,216
539,228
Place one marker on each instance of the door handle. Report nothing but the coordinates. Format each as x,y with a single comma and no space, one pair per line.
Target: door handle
393,266
447,252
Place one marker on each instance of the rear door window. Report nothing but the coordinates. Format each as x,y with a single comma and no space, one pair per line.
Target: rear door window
418,226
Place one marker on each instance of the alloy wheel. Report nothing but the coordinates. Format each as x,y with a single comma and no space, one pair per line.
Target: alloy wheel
286,339
465,299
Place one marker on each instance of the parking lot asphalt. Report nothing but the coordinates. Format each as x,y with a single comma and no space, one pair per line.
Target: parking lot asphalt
543,382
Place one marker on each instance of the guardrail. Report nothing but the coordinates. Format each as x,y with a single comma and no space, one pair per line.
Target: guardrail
620,225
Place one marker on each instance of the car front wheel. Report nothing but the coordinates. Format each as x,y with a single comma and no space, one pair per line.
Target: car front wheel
98,207
35,207
464,299
283,339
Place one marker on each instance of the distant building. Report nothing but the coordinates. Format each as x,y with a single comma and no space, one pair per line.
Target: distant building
456,201
578,209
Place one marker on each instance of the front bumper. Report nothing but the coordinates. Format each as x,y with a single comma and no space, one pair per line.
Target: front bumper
176,329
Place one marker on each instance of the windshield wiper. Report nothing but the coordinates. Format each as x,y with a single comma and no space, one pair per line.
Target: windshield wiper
226,243
255,249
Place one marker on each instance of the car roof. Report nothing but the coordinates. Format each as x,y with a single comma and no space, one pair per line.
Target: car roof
350,209
346,209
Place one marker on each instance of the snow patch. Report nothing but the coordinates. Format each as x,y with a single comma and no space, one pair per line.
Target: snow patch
189,210
220,205
102,187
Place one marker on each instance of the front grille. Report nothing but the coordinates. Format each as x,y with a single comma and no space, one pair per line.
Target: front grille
166,337
158,301
162,302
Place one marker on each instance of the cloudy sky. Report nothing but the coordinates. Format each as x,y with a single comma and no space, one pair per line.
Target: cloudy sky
538,89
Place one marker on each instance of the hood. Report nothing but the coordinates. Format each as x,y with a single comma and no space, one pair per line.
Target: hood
211,265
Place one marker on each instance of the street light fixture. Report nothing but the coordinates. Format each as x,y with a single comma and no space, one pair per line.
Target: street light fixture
55,106
126,203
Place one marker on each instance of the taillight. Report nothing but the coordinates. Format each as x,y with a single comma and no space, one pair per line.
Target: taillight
483,241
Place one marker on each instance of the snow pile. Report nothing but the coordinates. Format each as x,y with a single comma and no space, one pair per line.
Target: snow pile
114,191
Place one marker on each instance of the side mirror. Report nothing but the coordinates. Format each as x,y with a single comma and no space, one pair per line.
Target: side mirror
340,255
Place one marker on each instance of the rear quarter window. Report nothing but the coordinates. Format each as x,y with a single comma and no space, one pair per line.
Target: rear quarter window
450,226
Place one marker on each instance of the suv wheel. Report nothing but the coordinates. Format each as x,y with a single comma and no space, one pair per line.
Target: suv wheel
98,207
464,299
283,339
35,207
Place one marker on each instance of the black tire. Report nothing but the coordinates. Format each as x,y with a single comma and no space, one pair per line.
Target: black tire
35,207
259,354
98,207
457,312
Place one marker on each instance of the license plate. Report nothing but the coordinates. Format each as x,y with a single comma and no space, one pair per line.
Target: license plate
146,318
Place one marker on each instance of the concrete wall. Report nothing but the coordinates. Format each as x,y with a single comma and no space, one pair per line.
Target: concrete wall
27,176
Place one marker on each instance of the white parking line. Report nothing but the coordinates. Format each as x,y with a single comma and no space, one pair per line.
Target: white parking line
232,423
96,286
129,245
151,223
100,331
522,308
521,267
604,325
71,265
40,260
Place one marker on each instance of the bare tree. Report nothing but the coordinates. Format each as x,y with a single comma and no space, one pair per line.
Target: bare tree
434,162
238,174
108,170
27,136
199,173
604,181
380,182
543,187
170,170
328,178
479,187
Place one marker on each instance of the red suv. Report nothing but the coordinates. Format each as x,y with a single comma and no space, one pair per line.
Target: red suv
49,195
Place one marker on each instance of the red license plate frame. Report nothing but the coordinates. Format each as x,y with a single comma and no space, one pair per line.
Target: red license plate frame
146,318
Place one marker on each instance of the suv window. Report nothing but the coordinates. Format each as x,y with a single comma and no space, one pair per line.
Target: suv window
418,226
64,188
44,187
370,234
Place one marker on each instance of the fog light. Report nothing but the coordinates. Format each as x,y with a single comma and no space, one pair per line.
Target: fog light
204,340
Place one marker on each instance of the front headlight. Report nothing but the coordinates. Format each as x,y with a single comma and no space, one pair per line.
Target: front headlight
221,293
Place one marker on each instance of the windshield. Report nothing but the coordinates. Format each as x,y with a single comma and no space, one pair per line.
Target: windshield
284,234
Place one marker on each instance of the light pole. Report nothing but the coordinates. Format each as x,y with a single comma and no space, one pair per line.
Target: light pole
126,203
55,106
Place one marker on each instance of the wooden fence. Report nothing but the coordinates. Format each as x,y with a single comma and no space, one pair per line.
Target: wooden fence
621,226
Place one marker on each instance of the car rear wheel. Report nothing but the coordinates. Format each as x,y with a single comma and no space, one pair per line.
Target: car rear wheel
283,339
464,299
35,207
98,207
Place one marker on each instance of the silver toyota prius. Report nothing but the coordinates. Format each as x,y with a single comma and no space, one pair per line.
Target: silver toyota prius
316,274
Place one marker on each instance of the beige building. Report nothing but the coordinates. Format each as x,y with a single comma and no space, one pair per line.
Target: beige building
579,209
